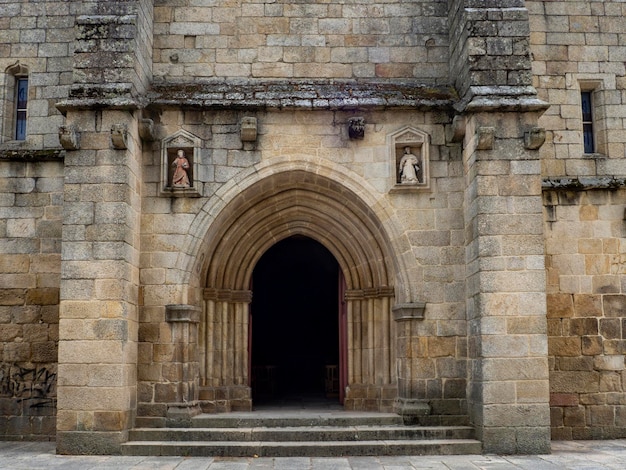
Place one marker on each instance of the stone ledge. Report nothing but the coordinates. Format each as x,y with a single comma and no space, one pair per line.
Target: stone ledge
583,183
322,95
29,155
501,99
410,311
182,313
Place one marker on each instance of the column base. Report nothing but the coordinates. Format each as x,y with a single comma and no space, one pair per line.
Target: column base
91,442
179,414
411,409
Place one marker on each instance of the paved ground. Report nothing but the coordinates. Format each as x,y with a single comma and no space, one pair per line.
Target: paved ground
578,455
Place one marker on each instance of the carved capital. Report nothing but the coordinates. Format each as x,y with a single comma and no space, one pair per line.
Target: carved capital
119,133
182,313
534,138
69,137
410,311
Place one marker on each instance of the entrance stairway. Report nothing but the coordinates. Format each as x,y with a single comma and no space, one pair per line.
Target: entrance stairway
305,433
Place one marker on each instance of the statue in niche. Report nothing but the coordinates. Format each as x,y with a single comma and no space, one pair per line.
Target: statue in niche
180,178
409,167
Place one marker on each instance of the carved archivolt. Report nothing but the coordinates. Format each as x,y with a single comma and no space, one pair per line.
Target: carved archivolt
292,203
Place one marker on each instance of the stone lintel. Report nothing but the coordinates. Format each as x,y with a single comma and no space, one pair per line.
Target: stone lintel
182,313
409,311
583,183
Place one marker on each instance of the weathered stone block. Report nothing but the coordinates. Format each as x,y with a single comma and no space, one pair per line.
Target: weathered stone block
592,345
564,346
563,399
614,305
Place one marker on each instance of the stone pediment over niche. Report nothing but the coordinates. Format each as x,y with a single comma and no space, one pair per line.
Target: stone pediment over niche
409,159
180,161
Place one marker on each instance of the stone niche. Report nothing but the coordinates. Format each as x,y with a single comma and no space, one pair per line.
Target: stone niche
180,161
409,159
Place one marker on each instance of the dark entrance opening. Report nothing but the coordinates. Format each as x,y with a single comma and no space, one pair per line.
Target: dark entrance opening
295,324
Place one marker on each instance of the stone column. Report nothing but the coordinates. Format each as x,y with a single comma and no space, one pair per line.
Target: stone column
413,371
370,336
224,338
182,372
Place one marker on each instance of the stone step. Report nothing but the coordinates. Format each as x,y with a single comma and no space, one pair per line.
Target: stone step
294,419
306,433
303,449
302,433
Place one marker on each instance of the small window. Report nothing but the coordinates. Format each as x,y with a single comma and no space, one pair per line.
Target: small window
14,105
21,103
587,112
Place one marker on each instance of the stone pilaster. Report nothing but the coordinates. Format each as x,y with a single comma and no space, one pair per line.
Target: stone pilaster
508,388
99,287
98,319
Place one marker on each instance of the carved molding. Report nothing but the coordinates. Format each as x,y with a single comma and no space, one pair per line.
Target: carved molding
227,295
409,311
182,313
369,293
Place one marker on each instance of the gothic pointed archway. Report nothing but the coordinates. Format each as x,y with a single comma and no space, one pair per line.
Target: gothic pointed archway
284,205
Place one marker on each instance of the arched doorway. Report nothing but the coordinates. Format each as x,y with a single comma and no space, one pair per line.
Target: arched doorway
295,344
311,205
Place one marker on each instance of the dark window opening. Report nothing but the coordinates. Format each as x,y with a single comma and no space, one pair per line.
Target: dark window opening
21,104
587,111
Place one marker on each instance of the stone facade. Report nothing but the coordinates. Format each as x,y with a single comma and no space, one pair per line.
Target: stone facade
489,290
574,47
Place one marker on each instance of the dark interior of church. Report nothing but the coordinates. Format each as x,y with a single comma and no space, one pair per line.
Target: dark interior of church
294,323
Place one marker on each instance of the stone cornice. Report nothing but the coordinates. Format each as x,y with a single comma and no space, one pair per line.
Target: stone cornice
501,99
323,95
583,183
30,155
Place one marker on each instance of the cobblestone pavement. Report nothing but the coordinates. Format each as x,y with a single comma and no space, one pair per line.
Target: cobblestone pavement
578,455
